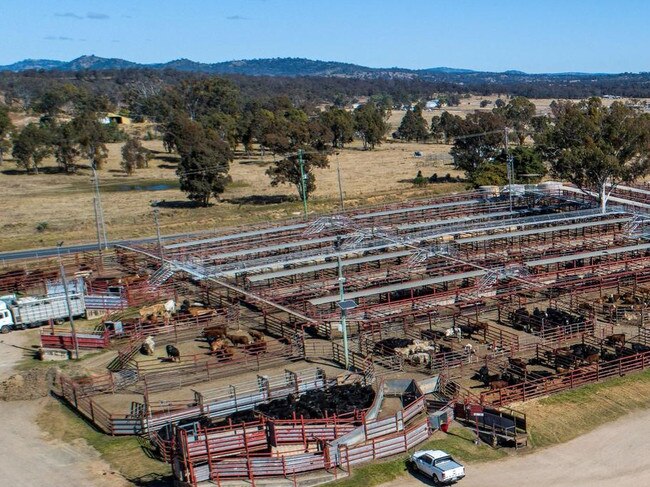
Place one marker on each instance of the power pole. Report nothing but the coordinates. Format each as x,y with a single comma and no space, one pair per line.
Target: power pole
98,230
160,246
100,209
303,182
338,172
67,301
344,326
509,167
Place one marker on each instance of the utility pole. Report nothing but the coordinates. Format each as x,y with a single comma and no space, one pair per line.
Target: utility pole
303,182
97,228
160,246
344,326
509,167
343,304
338,172
100,209
67,301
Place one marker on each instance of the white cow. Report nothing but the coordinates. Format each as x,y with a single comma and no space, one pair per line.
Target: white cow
148,346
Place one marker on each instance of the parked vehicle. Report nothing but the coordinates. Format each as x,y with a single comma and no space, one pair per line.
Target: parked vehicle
438,465
20,313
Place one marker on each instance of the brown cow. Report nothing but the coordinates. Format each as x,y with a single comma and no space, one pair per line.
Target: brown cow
497,384
617,339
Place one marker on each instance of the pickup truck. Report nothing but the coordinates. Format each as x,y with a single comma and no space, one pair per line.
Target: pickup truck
438,465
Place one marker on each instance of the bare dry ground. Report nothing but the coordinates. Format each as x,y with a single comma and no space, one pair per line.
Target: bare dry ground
28,456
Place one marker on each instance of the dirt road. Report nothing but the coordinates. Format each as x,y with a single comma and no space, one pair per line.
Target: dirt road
605,457
27,457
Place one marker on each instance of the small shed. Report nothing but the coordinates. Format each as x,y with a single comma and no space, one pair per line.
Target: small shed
116,119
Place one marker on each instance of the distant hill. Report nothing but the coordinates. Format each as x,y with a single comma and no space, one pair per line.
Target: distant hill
275,67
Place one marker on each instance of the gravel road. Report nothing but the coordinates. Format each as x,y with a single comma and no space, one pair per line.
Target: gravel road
27,457
608,456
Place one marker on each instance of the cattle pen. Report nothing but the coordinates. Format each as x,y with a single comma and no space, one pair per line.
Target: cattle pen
452,307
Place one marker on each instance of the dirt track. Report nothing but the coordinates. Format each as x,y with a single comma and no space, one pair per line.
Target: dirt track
607,456
27,457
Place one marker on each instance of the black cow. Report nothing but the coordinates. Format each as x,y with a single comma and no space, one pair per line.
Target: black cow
173,353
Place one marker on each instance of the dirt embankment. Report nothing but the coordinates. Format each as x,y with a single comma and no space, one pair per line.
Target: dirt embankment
26,386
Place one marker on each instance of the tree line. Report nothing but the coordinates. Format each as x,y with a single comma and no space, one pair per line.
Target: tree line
203,120
586,143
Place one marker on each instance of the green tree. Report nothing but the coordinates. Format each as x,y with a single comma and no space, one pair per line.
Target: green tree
134,156
285,130
64,139
6,127
31,146
92,137
287,170
50,104
205,160
479,140
446,126
489,174
203,97
413,126
527,164
341,124
597,147
518,114
370,123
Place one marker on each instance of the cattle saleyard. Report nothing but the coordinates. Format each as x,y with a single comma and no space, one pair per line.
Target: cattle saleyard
228,354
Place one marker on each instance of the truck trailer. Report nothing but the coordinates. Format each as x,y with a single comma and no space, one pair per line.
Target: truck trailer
20,313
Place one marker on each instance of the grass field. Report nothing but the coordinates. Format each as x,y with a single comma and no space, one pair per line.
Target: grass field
459,443
51,207
40,210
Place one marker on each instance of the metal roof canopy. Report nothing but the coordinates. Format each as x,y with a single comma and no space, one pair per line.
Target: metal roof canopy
234,236
416,208
328,265
534,231
274,262
587,255
462,219
270,248
298,226
271,261
514,222
397,287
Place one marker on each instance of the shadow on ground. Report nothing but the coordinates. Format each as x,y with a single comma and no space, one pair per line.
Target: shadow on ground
257,199
178,204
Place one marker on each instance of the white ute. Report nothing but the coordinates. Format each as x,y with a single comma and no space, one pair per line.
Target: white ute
438,465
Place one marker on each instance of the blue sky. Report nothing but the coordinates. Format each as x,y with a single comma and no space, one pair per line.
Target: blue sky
533,36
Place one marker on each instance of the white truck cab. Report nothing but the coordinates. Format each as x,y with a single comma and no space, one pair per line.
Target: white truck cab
438,465
6,320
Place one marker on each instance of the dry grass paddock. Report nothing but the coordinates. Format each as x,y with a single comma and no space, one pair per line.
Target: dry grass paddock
61,205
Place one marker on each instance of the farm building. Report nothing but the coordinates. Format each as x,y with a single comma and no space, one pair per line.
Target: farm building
116,119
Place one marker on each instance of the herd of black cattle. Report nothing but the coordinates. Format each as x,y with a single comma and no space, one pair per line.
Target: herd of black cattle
523,320
314,404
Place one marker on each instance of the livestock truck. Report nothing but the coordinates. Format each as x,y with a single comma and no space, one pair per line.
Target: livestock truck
20,313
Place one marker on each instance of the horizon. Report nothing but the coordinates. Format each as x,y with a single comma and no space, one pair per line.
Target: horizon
602,36
459,68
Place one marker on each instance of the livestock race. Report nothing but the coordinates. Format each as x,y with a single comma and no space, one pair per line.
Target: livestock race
310,347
